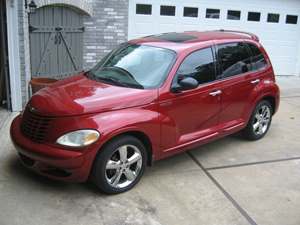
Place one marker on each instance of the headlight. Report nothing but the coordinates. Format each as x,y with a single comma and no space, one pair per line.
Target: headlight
79,138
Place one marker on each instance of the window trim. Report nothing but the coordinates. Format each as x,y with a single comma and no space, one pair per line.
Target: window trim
254,20
200,85
273,14
234,10
190,7
212,17
173,6
286,18
151,13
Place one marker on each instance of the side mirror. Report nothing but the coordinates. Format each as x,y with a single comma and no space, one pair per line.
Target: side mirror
184,84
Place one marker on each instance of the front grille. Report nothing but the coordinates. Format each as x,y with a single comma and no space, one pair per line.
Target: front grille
34,126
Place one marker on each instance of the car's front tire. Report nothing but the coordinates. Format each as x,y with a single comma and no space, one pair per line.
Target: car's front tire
259,122
119,165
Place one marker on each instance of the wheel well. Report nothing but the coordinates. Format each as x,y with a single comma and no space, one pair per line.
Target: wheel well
143,138
271,100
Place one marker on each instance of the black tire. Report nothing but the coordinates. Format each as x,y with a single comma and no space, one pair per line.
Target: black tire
99,174
249,132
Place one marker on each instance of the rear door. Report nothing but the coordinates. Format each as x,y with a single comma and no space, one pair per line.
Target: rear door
238,78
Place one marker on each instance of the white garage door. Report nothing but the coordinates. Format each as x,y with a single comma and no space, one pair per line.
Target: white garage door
276,22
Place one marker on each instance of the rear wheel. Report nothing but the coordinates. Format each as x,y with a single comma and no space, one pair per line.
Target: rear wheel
119,165
259,122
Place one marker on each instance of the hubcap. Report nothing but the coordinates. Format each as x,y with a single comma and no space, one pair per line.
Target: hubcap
261,120
124,166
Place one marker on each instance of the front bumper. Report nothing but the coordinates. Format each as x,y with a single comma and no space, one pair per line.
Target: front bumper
50,161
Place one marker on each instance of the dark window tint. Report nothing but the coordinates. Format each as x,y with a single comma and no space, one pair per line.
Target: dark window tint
167,10
291,19
257,59
199,65
234,59
190,12
213,13
143,9
233,15
254,16
273,18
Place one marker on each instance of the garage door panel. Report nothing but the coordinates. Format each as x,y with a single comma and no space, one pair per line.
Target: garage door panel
289,67
143,28
166,28
281,40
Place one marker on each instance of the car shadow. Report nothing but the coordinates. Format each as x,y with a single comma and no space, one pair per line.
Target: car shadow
22,174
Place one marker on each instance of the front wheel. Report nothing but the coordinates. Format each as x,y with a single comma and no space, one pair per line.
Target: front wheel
259,122
119,165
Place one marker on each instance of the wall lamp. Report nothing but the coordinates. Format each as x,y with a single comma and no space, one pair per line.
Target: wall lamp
31,7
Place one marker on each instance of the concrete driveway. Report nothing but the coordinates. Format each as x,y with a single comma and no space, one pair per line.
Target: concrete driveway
228,182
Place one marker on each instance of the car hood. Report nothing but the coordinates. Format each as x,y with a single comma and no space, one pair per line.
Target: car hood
79,95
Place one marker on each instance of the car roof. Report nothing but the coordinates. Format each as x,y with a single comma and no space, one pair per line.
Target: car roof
182,40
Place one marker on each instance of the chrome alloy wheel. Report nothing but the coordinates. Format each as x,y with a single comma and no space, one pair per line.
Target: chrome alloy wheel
261,120
124,166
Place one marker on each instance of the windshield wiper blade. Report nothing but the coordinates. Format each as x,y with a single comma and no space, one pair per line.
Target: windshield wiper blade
111,80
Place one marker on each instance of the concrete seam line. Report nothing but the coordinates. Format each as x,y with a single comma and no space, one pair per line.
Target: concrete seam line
291,96
253,163
227,195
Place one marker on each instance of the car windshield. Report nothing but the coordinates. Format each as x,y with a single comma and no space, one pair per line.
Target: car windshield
135,66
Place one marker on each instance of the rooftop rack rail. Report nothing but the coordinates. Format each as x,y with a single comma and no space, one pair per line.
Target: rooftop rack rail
251,35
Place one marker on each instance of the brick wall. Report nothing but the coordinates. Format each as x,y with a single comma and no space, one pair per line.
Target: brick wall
106,25
24,51
105,29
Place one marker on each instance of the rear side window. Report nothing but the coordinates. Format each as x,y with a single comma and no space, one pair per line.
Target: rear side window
199,65
234,59
258,60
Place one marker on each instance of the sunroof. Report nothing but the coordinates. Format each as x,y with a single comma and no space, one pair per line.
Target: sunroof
175,37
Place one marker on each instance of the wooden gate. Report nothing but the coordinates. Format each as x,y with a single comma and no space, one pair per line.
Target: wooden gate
56,42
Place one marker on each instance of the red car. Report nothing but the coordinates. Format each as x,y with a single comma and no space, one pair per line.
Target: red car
146,100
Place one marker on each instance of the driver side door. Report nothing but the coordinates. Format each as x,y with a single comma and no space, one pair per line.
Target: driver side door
191,116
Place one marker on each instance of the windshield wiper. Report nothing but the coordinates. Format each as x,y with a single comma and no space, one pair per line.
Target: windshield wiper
112,80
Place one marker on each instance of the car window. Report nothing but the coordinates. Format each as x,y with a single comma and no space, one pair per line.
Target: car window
199,65
258,59
234,59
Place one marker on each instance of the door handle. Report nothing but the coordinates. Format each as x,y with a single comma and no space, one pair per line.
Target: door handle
215,93
255,81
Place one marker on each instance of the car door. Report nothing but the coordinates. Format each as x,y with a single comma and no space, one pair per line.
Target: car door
192,115
238,79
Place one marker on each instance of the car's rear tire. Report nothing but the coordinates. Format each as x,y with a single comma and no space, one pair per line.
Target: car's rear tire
119,165
259,122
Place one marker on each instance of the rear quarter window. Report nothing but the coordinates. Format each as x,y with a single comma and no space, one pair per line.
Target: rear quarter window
258,60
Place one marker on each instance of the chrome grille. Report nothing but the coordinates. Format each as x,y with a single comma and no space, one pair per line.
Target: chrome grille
34,126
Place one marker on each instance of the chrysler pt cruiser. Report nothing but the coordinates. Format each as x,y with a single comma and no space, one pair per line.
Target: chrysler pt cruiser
148,99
